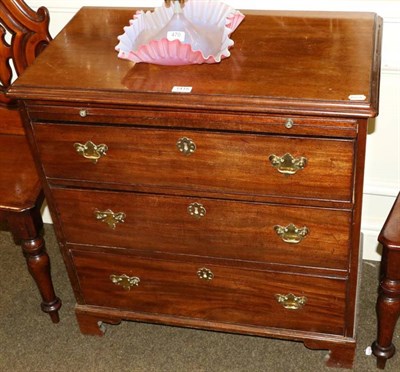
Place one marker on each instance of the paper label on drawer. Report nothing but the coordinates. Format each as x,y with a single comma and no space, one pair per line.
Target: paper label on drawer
176,35
178,89
357,97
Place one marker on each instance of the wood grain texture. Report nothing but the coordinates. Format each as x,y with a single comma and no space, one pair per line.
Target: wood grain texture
23,35
388,303
315,70
188,119
390,234
30,35
222,162
230,229
234,295
19,182
284,65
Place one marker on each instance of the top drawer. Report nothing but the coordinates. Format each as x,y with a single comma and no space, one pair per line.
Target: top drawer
250,164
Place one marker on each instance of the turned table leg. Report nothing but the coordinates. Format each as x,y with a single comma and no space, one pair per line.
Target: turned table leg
388,304
26,228
388,310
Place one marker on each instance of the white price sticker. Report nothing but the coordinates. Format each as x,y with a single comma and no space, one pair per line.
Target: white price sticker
176,35
357,97
178,89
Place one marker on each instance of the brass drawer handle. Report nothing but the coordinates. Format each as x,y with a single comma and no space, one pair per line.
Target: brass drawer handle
290,301
125,281
91,151
287,164
291,234
205,274
186,146
196,210
110,218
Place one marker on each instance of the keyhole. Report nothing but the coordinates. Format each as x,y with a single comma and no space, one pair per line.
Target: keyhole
186,146
196,210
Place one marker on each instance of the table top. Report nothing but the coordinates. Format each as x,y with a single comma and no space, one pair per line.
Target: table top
321,63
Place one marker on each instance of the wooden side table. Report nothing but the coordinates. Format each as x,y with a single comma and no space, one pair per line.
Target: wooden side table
388,304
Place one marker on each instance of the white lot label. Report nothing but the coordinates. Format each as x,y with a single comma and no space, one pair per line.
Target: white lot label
176,35
357,97
178,89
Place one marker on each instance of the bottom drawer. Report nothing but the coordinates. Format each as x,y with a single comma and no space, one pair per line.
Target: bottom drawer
211,292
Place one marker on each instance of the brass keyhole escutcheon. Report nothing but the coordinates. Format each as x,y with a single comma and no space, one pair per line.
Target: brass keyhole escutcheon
196,210
205,274
186,146
91,151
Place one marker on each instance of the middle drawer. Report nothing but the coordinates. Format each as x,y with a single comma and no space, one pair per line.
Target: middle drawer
206,227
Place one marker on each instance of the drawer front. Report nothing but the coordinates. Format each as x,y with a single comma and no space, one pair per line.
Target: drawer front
206,120
206,227
210,162
211,293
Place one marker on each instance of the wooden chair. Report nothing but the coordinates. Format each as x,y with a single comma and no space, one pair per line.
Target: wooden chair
388,304
24,33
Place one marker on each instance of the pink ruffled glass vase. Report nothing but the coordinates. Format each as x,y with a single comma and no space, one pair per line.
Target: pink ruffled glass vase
198,33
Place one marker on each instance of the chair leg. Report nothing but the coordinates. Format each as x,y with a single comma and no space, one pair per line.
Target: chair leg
26,227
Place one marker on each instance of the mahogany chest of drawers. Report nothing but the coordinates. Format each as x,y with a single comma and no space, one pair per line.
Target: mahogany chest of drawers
235,207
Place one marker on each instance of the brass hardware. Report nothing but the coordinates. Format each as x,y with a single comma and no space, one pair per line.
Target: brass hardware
289,123
196,210
91,151
110,218
292,234
125,281
205,274
287,164
83,113
186,146
290,301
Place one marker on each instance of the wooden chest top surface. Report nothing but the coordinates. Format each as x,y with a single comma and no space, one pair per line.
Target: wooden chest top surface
300,62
